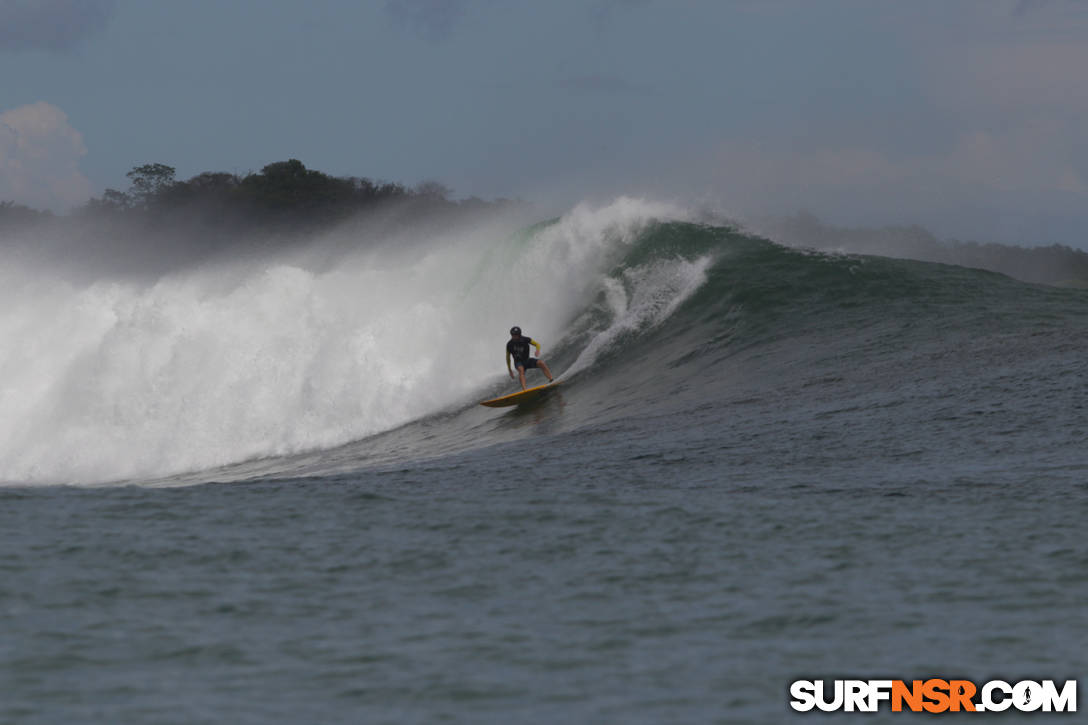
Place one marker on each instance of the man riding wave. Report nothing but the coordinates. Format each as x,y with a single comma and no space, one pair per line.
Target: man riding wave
518,350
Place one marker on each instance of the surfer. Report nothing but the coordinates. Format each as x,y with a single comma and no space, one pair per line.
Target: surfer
518,349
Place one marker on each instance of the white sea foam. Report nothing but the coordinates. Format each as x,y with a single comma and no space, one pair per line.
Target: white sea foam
642,298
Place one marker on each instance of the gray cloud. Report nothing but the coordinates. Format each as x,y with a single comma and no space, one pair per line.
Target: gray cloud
604,12
1023,7
432,19
594,83
39,158
52,25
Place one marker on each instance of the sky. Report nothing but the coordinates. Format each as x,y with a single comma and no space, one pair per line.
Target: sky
967,117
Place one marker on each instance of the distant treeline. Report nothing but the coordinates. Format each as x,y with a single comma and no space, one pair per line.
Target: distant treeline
1054,265
285,196
285,199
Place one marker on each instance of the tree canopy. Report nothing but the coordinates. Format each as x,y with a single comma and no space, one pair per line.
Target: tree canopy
284,195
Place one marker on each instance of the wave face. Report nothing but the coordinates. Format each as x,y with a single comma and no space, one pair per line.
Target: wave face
119,379
328,359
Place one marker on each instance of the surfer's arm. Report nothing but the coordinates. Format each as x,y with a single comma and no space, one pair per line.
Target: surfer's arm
508,368
535,344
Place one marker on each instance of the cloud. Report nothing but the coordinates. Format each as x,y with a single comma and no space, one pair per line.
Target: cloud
1034,159
1023,7
1021,79
604,12
53,25
39,158
987,141
989,184
1009,63
432,19
597,83
1019,101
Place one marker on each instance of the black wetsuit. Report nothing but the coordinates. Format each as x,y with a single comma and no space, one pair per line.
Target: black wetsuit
518,348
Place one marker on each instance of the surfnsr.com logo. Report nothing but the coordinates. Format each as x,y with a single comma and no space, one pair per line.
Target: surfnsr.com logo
933,695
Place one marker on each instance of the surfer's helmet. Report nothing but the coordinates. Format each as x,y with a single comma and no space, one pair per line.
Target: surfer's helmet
515,330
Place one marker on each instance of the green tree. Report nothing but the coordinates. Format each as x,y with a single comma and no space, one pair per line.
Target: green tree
150,181
433,190
288,186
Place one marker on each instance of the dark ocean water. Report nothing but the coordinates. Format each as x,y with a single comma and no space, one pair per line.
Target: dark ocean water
764,465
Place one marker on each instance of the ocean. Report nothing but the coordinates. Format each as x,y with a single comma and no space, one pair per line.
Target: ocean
260,489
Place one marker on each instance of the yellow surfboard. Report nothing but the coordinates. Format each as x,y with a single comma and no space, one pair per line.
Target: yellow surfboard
522,396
